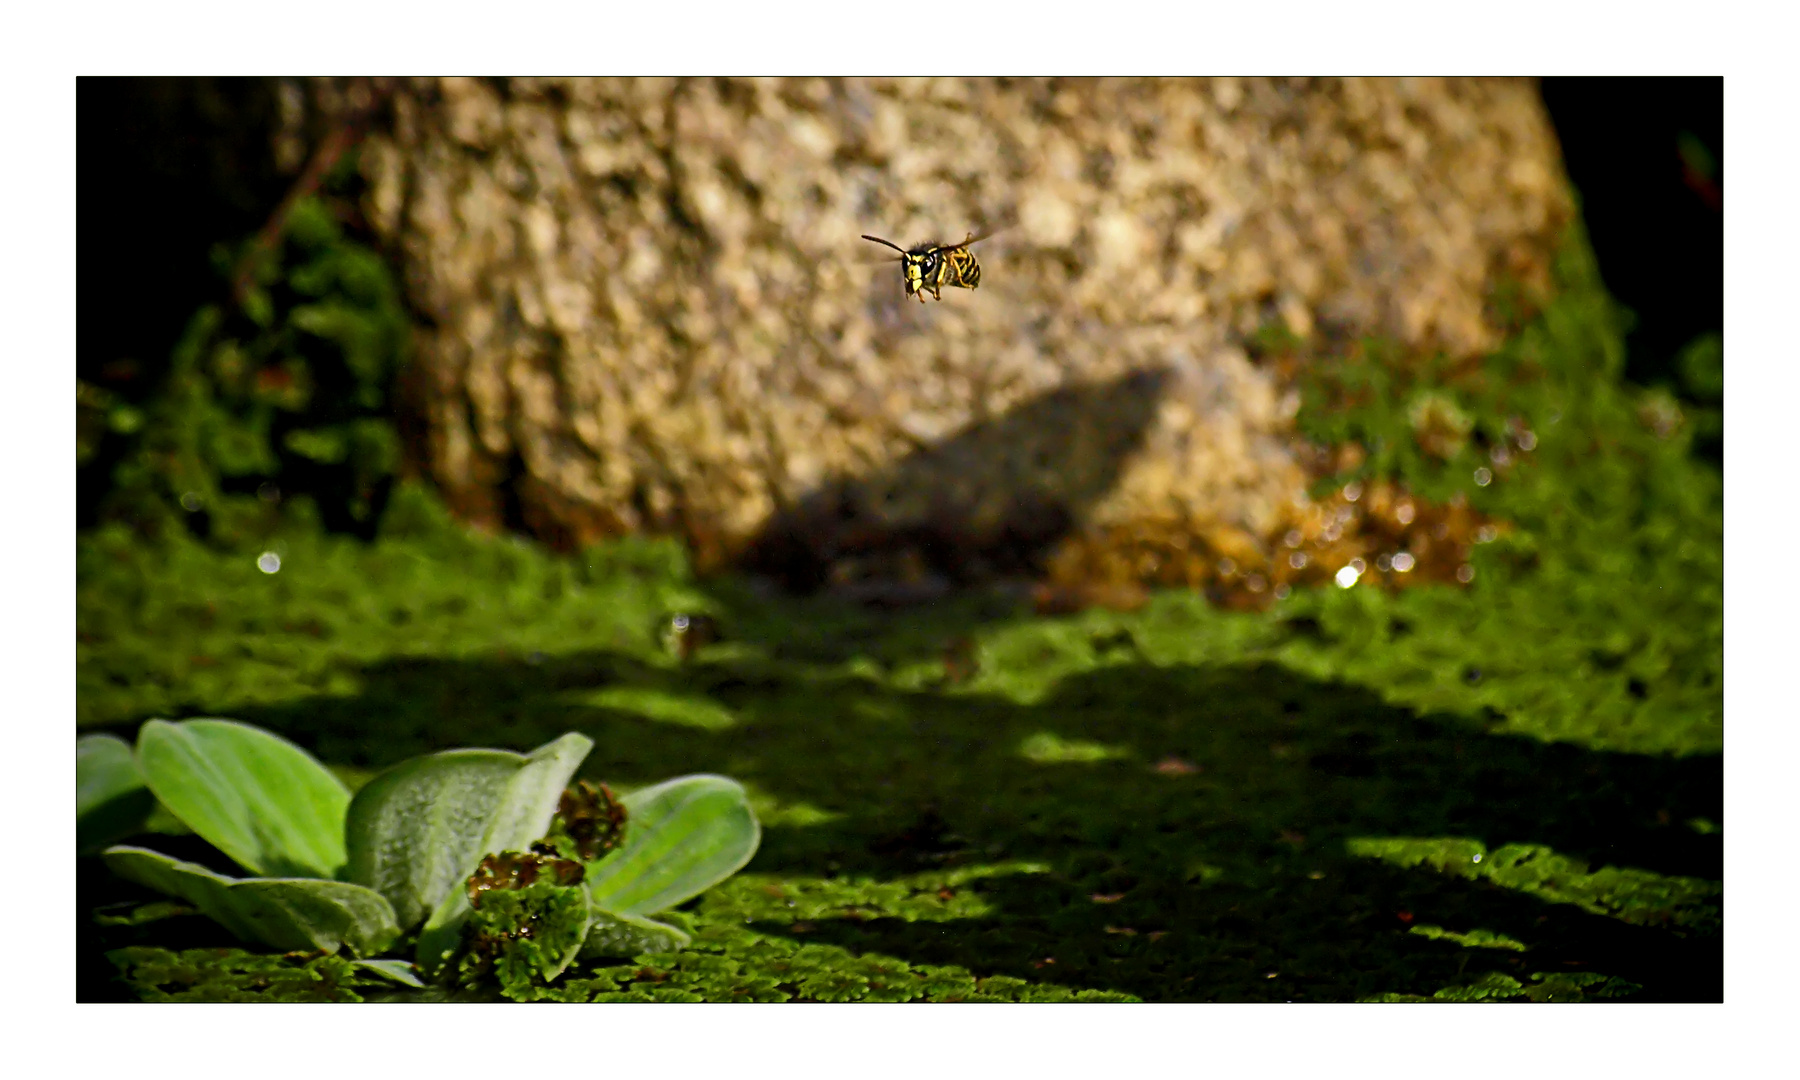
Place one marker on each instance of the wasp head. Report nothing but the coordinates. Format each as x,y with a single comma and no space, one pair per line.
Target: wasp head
922,267
917,268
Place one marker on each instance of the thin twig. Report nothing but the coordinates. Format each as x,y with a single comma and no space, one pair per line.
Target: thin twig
331,149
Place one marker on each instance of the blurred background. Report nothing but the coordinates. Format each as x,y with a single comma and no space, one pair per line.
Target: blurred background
252,199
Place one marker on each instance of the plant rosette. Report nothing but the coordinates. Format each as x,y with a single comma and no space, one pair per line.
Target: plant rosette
486,853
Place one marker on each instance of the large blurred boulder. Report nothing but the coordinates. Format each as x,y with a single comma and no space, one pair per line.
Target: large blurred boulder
647,307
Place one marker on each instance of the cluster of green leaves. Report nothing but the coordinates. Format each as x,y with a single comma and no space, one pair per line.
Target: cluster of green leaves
522,936
1176,803
332,871
274,405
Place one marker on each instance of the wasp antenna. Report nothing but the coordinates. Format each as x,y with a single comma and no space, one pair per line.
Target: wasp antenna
889,243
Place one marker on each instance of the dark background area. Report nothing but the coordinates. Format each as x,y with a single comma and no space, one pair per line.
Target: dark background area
169,168
1655,219
165,169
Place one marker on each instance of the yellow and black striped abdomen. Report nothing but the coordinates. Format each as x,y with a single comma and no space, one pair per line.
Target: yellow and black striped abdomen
960,269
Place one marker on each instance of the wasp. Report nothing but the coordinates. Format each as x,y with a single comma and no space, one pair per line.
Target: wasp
928,268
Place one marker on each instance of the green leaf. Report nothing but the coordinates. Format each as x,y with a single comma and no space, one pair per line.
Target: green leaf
325,445
532,796
284,913
401,971
415,832
613,935
521,814
125,420
253,795
682,837
1701,363
310,225
111,800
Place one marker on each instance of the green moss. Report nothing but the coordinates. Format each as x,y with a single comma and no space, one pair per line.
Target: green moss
1577,986
524,936
1013,834
929,897
755,967
175,627
661,706
1634,896
1563,987
272,410
1493,987
235,975
1047,748
1474,939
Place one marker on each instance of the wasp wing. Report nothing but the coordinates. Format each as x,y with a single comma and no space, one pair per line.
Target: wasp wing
982,234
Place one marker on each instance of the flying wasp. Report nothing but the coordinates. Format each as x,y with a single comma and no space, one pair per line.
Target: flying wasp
928,268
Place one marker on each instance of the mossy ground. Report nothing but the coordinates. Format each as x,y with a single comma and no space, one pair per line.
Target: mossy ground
1511,790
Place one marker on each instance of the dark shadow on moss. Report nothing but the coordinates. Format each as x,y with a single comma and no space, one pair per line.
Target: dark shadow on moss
1238,867
927,511
1280,937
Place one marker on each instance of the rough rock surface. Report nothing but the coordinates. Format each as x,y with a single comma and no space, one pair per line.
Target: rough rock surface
648,309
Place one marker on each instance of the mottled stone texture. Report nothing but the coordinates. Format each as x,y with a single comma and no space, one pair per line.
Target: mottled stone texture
646,305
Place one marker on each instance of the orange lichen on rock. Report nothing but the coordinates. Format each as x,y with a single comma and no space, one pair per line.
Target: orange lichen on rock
1376,533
